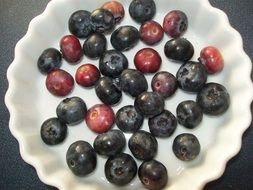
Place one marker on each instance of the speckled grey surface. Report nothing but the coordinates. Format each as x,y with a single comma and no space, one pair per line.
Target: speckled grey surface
15,16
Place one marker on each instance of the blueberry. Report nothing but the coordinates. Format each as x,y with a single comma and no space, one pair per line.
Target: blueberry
189,114
149,104
81,158
71,110
120,169
213,99
80,24
179,49
163,125
191,76
128,119
153,175
110,143
142,10
186,147
112,63
95,45
124,38
107,92
49,60
103,20
143,145
133,82
53,131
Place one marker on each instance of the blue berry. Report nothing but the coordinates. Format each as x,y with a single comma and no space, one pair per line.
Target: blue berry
103,20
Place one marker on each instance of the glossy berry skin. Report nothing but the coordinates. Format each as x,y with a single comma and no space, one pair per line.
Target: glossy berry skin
213,99
212,58
71,110
191,76
186,147
53,131
87,75
153,175
49,60
179,50
110,143
112,63
81,158
147,60
175,23
120,169
95,45
164,83
107,91
100,118
80,24
128,119
162,125
124,38
71,49
189,114
151,32
116,8
149,104
133,82
142,10
143,145
103,20
59,82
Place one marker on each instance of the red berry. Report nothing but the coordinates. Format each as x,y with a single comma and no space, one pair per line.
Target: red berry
147,60
151,32
116,8
100,118
87,75
71,49
212,59
59,82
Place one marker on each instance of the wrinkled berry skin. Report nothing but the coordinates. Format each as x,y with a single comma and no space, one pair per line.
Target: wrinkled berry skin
133,82
112,63
103,20
107,92
179,50
116,8
151,32
142,10
110,143
191,76
143,145
128,119
175,23
81,158
189,114
164,83
186,147
80,24
53,131
95,45
71,110
120,169
87,75
100,118
163,125
71,49
59,82
149,104
49,60
213,99
124,38
153,175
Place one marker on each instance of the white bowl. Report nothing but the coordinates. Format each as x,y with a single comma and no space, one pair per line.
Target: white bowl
30,103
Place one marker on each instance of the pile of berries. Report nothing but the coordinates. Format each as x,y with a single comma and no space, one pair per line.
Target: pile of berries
112,77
